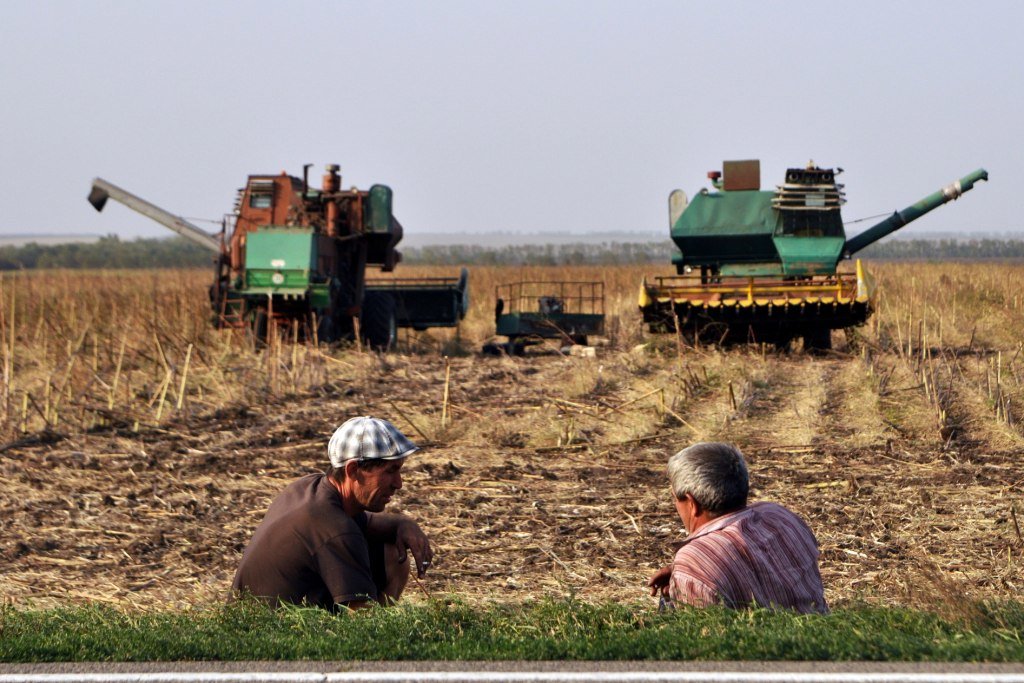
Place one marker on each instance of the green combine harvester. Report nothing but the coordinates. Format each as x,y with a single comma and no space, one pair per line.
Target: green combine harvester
758,266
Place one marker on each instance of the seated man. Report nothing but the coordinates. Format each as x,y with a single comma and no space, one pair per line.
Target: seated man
326,541
735,554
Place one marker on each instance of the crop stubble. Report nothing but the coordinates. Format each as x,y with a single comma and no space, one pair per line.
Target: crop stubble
902,448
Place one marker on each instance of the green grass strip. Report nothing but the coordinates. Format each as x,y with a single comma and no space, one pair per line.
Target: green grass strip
546,630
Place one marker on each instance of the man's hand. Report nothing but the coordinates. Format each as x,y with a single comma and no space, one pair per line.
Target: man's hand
660,580
410,538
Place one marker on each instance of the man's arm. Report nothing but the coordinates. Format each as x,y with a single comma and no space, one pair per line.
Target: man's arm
405,533
660,580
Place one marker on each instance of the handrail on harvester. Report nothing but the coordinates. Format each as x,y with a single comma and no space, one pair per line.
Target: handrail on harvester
850,286
900,218
103,190
750,287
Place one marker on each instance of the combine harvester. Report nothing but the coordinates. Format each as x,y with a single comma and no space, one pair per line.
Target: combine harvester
294,258
768,260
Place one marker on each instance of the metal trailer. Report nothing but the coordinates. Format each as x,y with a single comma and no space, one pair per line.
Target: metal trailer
425,302
530,311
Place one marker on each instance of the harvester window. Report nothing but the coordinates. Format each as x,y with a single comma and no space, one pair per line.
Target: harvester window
261,195
812,223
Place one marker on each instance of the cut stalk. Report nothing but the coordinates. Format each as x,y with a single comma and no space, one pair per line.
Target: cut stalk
184,378
444,403
9,357
163,395
117,374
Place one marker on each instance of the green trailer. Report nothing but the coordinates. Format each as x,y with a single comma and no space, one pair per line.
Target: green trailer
425,302
530,312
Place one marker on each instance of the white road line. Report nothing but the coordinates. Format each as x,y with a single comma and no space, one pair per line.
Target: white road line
519,677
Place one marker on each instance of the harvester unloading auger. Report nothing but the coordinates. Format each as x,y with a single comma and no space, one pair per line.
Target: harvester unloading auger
294,256
768,260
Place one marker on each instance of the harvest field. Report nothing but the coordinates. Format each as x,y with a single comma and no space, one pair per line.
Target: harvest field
141,447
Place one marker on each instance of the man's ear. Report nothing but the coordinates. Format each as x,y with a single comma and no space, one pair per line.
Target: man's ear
698,509
351,468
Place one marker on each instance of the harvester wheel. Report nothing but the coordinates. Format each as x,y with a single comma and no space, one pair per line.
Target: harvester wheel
259,326
217,306
818,340
326,329
379,323
782,343
854,339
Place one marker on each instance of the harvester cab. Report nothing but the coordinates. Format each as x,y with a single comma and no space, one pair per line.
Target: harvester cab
763,266
294,256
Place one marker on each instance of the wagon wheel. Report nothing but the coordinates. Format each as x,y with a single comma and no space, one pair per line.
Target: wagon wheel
516,346
379,321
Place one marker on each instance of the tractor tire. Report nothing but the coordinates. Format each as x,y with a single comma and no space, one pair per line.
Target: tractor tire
379,322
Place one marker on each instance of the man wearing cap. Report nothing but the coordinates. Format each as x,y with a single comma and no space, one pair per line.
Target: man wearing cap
326,541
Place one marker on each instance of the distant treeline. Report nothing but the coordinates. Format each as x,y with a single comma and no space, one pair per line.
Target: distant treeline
604,253
108,252
111,252
938,250
612,253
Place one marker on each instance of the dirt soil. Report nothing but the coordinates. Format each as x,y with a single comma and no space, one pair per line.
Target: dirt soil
546,480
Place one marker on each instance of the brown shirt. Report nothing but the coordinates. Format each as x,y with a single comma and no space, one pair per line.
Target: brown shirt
307,549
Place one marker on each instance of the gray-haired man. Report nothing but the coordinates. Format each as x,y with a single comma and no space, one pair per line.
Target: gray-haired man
736,555
326,541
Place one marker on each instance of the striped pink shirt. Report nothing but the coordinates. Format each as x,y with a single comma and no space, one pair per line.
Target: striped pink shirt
761,555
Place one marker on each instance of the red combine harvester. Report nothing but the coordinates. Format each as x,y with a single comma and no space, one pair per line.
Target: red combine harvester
292,255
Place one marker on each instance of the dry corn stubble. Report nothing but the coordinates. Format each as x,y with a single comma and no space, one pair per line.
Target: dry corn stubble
128,480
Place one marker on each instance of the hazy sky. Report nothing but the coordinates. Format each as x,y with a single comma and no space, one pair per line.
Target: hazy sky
520,116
